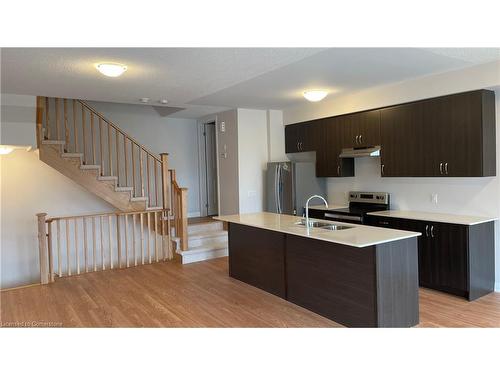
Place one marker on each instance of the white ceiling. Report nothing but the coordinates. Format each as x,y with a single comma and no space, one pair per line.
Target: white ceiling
208,80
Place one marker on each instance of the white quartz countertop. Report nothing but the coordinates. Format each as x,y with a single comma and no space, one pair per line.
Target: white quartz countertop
434,216
357,236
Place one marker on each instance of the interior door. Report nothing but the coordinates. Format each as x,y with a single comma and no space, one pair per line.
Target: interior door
211,169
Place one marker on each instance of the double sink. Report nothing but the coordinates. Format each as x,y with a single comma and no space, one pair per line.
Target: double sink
323,225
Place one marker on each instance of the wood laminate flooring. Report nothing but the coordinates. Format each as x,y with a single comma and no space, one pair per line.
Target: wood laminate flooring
196,295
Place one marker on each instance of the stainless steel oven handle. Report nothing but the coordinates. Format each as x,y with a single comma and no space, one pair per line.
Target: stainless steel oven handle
340,217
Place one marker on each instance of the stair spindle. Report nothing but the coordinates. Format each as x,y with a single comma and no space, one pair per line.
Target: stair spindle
155,163
68,265
84,136
125,157
59,259
94,245
141,170
149,236
148,178
100,147
110,163
142,237
49,250
47,119
126,241
85,245
66,130
93,137
155,217
103,263
75,129
76,248
133,239
133,169
110,242
58,132
117,138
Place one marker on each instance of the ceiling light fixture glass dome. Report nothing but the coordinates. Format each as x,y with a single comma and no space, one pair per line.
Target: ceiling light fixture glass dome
111,69
315,95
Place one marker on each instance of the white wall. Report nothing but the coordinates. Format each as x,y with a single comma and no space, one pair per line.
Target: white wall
275,136
252,158
178,137
474,196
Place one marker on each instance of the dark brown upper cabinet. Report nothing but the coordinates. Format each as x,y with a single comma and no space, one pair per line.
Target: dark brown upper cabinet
361,129
448,136
328,162
302,137
403,152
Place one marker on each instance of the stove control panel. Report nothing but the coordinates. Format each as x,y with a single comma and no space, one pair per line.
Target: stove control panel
369,197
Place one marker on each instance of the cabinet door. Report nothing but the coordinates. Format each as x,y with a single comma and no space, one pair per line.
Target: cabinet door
335,136
368,126
450,257
403,144
462,135
291,138
321,147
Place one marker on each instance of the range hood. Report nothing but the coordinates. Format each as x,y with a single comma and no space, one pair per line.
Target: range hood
360,152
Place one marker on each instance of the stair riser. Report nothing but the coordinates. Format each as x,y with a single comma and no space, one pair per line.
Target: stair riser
205,255
196,228
207,241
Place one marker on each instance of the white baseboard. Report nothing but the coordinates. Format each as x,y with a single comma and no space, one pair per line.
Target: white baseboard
194,214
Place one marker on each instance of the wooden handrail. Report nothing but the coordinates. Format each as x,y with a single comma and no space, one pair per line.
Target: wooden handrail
119,213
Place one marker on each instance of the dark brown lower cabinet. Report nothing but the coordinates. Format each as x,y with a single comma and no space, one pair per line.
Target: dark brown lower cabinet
452,258
374,286
257,257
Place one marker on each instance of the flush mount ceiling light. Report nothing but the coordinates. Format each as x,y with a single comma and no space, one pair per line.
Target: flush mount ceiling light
144,100
315,95
163,101
111,69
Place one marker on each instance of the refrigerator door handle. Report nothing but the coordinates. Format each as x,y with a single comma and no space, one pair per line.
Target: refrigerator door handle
280,188
276,187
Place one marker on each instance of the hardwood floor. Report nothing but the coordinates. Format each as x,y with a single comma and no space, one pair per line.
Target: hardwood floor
196,295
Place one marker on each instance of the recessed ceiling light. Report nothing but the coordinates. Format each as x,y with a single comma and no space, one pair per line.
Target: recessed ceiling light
111,69
144,100
315,95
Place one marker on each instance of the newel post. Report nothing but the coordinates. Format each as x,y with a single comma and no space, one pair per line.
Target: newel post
40,107
184,219
165,181
42,249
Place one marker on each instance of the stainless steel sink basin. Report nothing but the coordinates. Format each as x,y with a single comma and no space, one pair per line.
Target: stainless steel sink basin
323,225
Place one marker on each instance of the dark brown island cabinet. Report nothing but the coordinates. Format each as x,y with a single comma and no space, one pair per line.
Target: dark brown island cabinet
373,286
452,258
447,136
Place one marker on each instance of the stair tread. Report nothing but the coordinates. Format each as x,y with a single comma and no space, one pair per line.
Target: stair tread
124,188
107,178
52,142
72,155
138,199
207,234
90,166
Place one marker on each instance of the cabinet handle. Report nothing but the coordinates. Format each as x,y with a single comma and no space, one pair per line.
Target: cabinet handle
432,231
384,222
338,169
382,169
361,139
298,148
356,141
446,168
427,230
441,168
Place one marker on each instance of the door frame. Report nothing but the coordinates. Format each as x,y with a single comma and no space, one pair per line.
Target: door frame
201,163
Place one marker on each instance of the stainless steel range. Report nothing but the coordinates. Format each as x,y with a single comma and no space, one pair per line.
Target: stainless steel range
360,203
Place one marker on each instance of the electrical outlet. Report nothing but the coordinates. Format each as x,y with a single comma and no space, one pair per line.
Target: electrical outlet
434,198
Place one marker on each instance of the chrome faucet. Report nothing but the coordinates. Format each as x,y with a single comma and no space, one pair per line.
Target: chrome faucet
307,207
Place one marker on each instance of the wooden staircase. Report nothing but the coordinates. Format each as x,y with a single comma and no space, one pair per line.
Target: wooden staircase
88,148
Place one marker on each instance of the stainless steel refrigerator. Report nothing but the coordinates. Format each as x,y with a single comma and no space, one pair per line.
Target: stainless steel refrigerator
289,184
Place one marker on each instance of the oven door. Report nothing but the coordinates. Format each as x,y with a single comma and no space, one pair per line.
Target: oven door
344,218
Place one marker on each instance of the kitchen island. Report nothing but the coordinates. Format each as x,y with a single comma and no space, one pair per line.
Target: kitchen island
358,276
